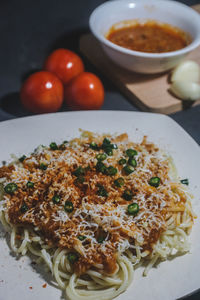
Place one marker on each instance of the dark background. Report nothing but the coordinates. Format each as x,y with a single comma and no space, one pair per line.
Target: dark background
31,29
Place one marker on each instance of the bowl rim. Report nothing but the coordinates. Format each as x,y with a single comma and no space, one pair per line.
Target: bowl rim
194,44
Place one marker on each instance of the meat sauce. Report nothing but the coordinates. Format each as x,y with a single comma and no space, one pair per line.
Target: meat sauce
152,37
96,216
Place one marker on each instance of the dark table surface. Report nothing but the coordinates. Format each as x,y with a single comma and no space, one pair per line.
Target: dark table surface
31,29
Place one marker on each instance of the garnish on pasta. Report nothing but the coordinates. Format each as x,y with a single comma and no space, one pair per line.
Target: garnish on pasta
93,208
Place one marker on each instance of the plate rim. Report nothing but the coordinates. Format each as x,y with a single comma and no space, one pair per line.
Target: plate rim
85,112
45,115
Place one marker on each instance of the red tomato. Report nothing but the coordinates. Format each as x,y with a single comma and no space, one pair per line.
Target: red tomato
84,92
42,92
65,64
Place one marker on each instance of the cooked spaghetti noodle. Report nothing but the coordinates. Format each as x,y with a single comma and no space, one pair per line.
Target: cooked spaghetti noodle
95,208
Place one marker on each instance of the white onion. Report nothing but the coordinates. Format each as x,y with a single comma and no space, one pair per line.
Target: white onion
186,90
186,71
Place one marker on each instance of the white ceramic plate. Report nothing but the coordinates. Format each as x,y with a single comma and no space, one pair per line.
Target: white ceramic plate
171,279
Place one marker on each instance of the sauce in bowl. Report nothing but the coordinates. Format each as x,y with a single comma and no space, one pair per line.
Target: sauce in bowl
151,36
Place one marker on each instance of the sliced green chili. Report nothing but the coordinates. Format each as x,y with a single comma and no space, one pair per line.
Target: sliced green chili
119,182
88,168
43,166
106,142
107,147
102,191
114,146
72,257
133,209
56,199
53,146
94,146
122,161
108,151
111,171
23,208
127,195
10,188
132,162
79,180
30,184
154,181
100,239
100,167
128,169
69,207
185,181
22,158
101,156
62,146
81,237
131,153
79,171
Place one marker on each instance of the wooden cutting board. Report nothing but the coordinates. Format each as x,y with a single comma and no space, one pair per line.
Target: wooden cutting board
148,92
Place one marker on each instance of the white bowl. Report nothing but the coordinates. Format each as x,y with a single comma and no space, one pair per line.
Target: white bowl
171,12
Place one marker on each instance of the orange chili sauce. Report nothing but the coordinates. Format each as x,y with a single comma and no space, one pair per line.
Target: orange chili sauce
150,36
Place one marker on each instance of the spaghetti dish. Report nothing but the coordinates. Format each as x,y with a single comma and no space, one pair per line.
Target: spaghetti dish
95,208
